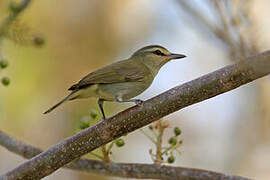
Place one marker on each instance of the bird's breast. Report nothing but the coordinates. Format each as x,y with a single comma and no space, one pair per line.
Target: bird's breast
124,90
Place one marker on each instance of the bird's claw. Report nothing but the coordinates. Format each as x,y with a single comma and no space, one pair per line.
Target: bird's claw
103,119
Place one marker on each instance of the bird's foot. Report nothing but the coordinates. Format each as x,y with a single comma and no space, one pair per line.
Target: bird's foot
103,119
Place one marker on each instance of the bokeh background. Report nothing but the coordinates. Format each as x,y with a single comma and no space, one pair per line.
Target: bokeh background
229,133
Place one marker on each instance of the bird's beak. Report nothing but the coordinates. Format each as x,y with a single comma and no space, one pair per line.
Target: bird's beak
176,56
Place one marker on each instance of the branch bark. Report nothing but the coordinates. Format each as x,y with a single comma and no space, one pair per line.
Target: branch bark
202,88
126,170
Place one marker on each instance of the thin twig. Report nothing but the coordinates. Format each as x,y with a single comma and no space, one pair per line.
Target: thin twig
96,155
105,153
110,146
170,148
148,136
158,157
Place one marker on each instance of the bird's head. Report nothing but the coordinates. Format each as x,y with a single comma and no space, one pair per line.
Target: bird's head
155,56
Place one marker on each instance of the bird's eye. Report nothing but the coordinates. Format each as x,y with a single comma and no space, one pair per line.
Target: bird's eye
159,53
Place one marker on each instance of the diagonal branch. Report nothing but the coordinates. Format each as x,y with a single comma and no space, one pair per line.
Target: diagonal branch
127,170
202,88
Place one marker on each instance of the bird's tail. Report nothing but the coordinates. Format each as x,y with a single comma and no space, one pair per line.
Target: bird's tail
59,103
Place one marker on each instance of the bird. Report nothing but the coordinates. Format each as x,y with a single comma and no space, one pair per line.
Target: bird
123,80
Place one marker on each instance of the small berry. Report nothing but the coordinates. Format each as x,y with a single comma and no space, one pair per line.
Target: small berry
177,131
38,41
173,141
3,63
84,123
93,114
120,142
5,81
171,159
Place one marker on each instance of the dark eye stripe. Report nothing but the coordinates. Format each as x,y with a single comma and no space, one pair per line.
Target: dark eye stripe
159,53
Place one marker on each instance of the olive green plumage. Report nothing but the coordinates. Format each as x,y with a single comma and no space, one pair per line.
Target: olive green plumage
122,80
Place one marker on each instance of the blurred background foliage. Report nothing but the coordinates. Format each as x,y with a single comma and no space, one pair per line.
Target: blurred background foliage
229,133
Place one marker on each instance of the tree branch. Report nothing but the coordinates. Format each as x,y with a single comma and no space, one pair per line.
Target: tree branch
16,10
151,171
205,87
127,170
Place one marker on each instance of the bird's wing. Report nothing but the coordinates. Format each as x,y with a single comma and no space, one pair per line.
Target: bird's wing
122,71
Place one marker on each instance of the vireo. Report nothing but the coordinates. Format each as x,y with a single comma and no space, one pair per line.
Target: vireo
122,80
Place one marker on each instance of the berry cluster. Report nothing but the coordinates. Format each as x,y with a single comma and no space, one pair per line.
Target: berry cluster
3,65
164,152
